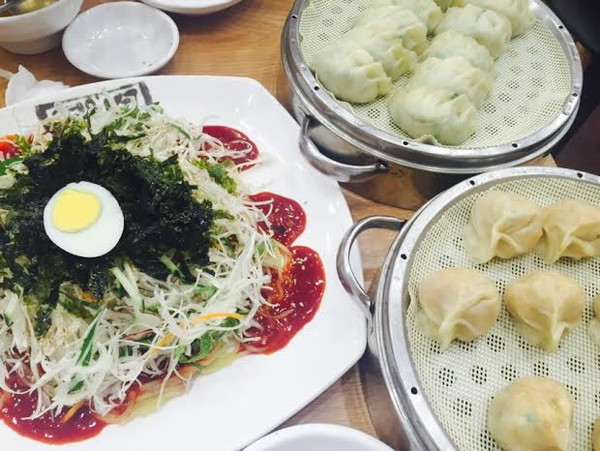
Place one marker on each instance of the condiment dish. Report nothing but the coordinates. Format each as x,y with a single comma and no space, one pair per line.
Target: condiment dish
192,7
318,437
38,30
121,39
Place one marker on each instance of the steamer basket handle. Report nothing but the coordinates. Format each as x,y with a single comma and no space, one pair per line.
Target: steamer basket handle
340,172
345,273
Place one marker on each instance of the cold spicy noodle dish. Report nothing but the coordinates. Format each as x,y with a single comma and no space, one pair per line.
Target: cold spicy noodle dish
132,259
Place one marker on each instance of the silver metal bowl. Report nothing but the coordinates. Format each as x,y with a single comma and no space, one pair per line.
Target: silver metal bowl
401,413
345,147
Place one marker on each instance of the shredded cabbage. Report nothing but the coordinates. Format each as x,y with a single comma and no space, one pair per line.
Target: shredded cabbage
149,324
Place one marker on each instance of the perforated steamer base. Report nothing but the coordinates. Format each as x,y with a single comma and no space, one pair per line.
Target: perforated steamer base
532,77
460,382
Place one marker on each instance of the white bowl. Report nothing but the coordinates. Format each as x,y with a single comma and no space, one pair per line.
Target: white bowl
318,437
192,7
121,39
39,30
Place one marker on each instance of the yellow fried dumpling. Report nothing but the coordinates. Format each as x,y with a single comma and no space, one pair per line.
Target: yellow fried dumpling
571,229
531,414
544,305
503,225
457,304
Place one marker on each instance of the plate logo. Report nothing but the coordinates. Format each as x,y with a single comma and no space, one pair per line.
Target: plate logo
129,96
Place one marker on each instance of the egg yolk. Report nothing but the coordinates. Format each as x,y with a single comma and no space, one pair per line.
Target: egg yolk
75,210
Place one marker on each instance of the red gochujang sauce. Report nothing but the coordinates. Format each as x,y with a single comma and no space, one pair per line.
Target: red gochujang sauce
8,149
234,139
286,216
294,294
48,428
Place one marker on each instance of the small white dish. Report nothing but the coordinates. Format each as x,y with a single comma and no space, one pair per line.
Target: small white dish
192,7
318,437
39,30
121,39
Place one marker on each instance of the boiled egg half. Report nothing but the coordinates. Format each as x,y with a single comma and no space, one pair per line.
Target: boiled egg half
84,219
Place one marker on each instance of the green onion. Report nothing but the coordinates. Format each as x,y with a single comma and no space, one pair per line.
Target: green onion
173,268
205,290
181,130
86,350
7,163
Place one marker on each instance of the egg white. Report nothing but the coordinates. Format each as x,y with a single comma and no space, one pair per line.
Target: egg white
99,238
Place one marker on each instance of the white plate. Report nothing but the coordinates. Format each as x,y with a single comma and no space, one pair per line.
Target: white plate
120,39
192,7
236,405
318,437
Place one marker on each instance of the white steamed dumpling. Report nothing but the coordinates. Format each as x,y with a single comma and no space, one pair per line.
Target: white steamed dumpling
531,414
426,112
544,306
487,27
350,73
571,229
401,22
457,304
384,46
363,63
517,11
455,74
426,10
503,225
452,43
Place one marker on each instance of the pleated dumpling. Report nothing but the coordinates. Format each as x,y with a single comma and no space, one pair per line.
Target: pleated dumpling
401,22
426,10
455,74
426,112
490,29
571,229
517,11
350,73
532,414
385,46
544,306
503,225
457,304
452,43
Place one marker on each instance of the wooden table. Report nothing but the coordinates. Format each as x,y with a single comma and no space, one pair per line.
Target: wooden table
241,41
244,41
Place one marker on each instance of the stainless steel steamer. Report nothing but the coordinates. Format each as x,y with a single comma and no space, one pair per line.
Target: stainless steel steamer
401,412
388,168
